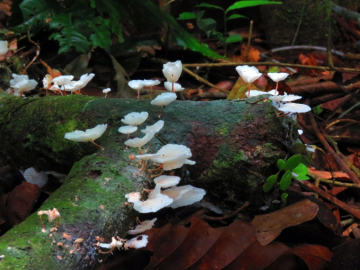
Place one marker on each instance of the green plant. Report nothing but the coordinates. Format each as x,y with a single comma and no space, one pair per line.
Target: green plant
85,24
209,25
293,168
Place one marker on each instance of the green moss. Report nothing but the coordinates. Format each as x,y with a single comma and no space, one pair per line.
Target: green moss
240,157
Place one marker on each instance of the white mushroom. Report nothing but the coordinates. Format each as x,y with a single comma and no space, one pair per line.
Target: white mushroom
133,197
90,135
144,226
248,74
290,98
21,84
254,93
153,205
278,76
147,157
137,242
137,85
155,127
106,91
172,156
127,129
3,47
163,99
177,87
191,196
139,142
294,108
166,181
135,118
37,178
78,85
176,193
63,80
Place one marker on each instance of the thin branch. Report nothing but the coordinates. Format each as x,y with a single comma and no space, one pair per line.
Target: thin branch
338,159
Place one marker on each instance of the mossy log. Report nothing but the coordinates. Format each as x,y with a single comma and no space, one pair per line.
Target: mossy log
234,143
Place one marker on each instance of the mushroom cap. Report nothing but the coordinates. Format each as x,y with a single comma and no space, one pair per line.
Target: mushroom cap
47,80
289,98
24,86
136,84
144,226
254,93
147,157
77,85
248,74
171,152
135,118
190,162
127,129
300,131
37,178
176,193
137,242
191,196
166,181
278,98
155,127
172,71
294,108
177,86
88,135
114,244
278,76
138,142
163,99
133,197
106,90
153,205
150,83
63,80
3,47
53,214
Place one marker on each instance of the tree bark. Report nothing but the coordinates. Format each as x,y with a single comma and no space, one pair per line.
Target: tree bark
234,143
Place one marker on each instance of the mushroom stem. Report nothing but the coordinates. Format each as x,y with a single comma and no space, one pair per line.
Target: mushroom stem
162,110
102,148
147,149
156,175
151,92
249,91
138,95
42,223
172,88
276,89
159,168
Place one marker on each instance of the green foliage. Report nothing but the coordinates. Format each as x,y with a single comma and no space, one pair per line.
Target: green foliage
293,168
317,109
85,24
270,182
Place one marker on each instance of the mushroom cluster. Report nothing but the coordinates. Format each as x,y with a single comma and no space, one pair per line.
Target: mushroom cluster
281,102
65,83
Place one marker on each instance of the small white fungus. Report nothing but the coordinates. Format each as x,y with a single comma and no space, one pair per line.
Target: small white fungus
144,226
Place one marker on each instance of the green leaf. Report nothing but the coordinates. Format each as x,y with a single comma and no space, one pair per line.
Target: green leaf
298,148
159,16
293,162
270,182
33,14
301,169
281,164
218,35
317,109
71,38
285,180
187,16
275,69
284,196
236,16
302,177
245,4
113,9
101,36
206,25
233,39
209,6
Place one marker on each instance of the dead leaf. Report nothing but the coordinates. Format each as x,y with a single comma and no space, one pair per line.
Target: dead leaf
66,236
327,175
315,256
270,226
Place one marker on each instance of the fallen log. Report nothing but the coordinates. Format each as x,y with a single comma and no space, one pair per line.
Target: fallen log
234,144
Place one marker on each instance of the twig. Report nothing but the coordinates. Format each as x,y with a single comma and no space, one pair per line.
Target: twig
337,183
338,159
36,55
299,24
303,47
249,40
227,216
203,80
350,109
332,199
